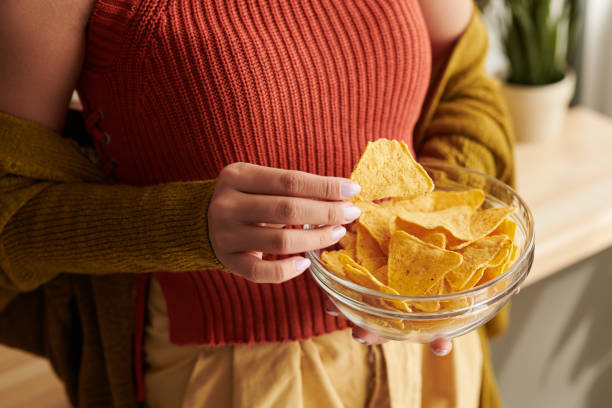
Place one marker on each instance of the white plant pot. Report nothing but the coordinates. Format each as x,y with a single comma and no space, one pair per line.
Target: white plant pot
538,112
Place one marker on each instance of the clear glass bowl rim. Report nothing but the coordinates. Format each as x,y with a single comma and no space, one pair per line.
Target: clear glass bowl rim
529,248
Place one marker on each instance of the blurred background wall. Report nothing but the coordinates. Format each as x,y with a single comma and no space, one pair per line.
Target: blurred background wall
596,56
558,349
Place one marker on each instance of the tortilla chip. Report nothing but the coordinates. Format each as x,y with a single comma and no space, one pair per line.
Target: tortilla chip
387,169
375,219
436,201
495,271
507,227
476,255
366,246
452,304
332,262
361,276
484,222
474,279
456,220
430,306
373,265
381,273
416,266
435,238
423,202
348,240
445,199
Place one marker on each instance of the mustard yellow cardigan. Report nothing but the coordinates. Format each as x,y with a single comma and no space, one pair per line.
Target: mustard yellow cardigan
70,244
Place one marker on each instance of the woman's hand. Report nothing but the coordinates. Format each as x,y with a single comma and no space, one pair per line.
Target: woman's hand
250,205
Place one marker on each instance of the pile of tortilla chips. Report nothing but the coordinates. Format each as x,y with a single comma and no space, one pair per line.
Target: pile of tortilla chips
413,241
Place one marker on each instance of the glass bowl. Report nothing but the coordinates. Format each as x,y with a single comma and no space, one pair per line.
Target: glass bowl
448,315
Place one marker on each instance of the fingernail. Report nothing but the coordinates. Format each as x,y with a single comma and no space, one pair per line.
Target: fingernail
349,189
332,312
302,264
360,340
440,352
517,290
351,213
338,232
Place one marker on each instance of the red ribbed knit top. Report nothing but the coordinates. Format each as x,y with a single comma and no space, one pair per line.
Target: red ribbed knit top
175,90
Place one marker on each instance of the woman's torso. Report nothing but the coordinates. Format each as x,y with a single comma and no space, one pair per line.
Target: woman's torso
176,90
188,87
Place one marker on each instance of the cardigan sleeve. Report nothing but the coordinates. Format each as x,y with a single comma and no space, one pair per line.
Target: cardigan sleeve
57,215
465,120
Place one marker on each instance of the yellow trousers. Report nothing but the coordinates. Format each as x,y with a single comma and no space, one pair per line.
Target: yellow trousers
331,371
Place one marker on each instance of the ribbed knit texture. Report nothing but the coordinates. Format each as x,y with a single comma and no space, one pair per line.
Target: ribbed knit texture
176,90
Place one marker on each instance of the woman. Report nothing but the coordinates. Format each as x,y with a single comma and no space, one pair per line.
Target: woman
200,113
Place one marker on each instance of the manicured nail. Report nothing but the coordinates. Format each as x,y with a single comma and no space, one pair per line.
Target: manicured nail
332,312
360,340
517,290
351,213
338,232
302,264
440,352
349,189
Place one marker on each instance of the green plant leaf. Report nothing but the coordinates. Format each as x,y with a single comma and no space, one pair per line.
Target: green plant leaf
533,38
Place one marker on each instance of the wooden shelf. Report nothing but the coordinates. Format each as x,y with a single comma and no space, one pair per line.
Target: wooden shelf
567,183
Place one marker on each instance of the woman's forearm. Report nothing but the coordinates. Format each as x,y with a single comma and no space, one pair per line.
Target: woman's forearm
103,229
57,215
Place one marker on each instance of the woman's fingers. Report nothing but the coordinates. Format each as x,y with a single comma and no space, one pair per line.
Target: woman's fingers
250,178
441,347
253,268
365,337
278,241
330,308
360,335
293,211
251,204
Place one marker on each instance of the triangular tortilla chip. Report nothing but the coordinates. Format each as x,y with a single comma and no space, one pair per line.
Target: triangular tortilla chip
375,219
456,220
332,262
348,240
436,201
477,255
363,277
430,306
435,238
373,265
485,221
507,227
366,246
381,273
416,266
387,169
495,271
